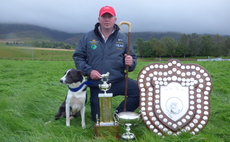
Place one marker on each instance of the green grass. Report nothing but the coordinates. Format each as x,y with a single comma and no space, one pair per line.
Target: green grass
30,94
30,53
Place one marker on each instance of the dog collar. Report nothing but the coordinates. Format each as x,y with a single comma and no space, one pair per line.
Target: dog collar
79,87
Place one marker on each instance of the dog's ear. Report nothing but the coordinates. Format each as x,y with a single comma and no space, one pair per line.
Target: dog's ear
80,72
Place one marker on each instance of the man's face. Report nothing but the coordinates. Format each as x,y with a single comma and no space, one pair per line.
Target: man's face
107,21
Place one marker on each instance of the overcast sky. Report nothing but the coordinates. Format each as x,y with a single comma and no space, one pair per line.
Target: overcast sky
184,16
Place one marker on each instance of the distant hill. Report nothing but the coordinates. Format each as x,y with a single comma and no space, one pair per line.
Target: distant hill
158,35
32,32
25,32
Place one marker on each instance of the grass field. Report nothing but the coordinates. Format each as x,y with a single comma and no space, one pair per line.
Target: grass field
31,53
30,94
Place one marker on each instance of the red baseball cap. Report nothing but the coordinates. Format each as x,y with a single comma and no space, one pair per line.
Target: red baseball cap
107,9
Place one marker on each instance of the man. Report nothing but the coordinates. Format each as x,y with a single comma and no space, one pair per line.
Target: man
104,50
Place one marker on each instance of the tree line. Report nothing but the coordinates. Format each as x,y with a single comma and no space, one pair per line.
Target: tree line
44,44
188,45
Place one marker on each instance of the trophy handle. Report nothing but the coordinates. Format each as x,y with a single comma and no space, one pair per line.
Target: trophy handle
116,119
140,119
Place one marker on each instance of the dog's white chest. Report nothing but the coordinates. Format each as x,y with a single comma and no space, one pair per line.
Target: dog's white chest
76,100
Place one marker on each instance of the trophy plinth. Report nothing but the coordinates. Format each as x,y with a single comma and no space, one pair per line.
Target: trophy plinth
128,119
105,126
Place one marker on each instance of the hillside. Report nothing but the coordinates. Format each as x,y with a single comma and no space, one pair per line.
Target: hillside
25,32
22,32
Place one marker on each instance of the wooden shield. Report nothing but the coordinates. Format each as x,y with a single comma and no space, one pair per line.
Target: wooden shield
174,97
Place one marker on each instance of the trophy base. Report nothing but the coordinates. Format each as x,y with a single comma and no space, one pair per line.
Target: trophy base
106,130
128,136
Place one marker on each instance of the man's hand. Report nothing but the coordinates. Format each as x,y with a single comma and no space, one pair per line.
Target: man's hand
94,74
128,60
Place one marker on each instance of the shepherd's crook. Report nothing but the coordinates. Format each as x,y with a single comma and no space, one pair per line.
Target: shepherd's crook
127,67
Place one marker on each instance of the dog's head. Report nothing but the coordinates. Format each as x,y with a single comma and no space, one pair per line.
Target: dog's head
72,76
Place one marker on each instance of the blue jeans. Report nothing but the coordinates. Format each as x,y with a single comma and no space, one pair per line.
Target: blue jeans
117,88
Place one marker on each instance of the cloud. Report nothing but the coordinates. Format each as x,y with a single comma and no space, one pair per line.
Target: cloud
185,16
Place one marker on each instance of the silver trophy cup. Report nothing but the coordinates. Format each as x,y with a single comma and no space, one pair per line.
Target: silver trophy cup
104,86
128,119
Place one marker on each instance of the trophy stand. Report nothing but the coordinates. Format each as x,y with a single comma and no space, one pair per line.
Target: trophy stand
105,126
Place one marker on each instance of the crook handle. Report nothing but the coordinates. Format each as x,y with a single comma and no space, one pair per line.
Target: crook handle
127,23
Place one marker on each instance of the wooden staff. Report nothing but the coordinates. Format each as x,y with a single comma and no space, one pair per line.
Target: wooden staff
128,53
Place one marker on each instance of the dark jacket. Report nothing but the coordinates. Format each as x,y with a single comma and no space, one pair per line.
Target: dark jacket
93,53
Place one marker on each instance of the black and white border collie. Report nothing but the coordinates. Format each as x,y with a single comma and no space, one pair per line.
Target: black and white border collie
76,96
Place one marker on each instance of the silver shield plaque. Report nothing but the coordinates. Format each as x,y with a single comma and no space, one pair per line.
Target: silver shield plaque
174,100
174,97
